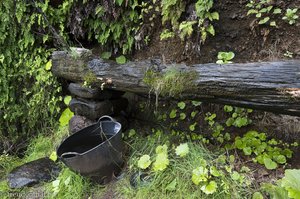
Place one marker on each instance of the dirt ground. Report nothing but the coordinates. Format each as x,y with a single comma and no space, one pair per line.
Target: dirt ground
236,32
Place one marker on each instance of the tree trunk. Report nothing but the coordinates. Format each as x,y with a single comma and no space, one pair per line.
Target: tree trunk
270,86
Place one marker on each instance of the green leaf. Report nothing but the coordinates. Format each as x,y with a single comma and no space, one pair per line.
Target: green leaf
181,105
230,121
228,108
119,2
269,164
161,149
272,23
65,117
210,188
277,11
182,116
211,30
291,183
215,15
193,114
257,195
252,11
173,114
240,121
121,59
280,159
258,15
161,162
196,103
220,62
264,20
247,150
214,171
48,65
144,162
200,174
55,183
105,55
53,156
172,185
131,133
192,126
182,150
235,176
67,100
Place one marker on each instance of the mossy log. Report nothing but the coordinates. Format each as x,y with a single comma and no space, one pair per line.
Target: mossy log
270,86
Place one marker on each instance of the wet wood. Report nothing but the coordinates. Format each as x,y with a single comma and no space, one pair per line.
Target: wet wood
271,86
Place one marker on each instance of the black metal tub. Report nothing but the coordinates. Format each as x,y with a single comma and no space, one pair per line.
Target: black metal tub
94,151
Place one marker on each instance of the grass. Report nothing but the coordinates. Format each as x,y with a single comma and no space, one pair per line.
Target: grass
175,181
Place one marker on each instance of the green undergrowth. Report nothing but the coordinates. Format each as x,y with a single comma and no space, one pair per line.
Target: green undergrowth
179,177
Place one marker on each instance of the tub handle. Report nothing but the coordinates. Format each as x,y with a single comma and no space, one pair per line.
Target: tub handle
106,118
69,155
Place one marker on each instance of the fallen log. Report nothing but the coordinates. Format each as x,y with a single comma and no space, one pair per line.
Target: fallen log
270,86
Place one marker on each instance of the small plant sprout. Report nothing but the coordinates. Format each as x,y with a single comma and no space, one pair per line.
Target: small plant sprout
225,57
291,16
182,150
144,162
288,54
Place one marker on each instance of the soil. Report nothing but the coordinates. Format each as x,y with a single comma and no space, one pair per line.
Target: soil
236,32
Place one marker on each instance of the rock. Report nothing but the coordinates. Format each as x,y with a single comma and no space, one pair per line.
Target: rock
93,93
40,170
78,122
96,109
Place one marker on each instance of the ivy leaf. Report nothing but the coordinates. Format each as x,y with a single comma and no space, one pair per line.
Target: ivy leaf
172,185
67,100
210,188
173,114
144,162
181,105
105,55
161,149
121,59
161,162
200,174
291,182
48,65
182,150
53,156
269,164
65,117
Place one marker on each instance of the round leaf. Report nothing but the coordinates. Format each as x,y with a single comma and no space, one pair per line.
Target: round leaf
144,162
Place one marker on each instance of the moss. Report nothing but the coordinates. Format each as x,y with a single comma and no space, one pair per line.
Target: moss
172,83
90,79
